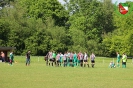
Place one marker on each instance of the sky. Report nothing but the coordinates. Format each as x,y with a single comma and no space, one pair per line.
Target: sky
120,1
112,1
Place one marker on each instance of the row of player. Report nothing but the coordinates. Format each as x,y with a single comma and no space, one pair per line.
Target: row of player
69,59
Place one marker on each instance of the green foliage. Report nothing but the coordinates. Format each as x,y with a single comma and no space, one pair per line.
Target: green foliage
4,32
44,9
79,40
79,25
120,39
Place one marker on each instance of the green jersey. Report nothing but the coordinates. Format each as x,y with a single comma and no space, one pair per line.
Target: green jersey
75,56
11,56
118,56
54,55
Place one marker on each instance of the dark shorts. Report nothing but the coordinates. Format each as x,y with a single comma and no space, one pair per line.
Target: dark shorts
53,59
81,61
65,60
50,59
92,61
124,63
71,60
85,60
58,61
3,59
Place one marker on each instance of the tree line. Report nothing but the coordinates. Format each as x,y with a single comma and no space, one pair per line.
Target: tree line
78,25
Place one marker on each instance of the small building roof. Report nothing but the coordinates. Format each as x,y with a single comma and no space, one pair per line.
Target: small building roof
7,48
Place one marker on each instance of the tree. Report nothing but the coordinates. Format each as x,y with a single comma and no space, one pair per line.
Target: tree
78,40
4,32
94,18
46,8
120,39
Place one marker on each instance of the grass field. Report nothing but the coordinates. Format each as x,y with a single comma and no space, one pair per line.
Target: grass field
38,75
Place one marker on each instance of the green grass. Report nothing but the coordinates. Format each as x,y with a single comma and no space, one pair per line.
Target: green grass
38,75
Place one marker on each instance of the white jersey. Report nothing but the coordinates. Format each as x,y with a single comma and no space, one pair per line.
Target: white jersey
85,56
92,57
64,56
50,55
58,57
81,56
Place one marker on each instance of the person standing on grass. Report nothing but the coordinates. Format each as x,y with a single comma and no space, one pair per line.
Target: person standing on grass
54,57
11,58
3,56
61,58
81,59
28,58
118,59
78,58
86,60
68,58
92,57
75,59
65,59
50,58
46,59
58,59
124,60
71,59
